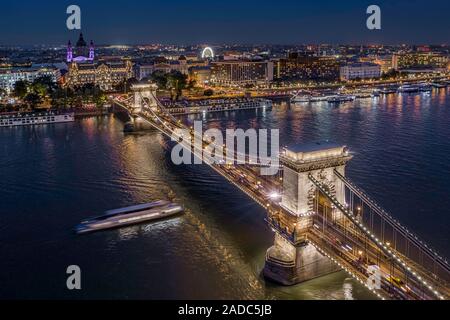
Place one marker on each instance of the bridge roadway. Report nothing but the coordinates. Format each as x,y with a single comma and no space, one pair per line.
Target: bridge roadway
403,231
413,278
346,245
344,241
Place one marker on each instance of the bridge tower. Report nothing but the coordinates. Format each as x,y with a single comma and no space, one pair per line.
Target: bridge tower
292,259
143,91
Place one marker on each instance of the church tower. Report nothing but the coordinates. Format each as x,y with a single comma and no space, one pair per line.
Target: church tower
69,52
91,51
81,47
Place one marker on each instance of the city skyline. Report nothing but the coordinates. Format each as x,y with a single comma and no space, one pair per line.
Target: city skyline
287,23
205,151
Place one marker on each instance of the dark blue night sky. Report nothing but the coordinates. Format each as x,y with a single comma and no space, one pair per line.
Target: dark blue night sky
232,21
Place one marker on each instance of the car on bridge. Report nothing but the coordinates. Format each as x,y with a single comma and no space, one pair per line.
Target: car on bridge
397,282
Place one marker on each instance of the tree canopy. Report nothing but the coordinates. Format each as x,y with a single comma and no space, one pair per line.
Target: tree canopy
21,89
174,81
33,100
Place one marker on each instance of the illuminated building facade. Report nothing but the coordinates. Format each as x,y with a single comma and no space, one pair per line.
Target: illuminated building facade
201,74
360,71
305,67
84,69
9,77
105,74
182,64
419,60
385,63
241,72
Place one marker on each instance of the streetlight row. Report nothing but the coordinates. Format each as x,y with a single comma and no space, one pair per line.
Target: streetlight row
351,216
392,219
349,272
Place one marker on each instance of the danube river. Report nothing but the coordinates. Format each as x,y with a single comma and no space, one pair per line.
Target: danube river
52,177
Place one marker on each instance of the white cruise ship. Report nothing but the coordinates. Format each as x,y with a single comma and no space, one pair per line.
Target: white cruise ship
25,119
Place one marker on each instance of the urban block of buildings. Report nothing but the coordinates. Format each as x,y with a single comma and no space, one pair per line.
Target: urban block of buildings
143,70
232,66
9,76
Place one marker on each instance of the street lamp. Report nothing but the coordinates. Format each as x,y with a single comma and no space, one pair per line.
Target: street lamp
274,195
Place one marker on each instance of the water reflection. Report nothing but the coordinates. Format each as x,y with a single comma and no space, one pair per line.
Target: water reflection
55,176
348,290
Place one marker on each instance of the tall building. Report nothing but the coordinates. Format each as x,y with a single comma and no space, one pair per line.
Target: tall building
85,69
306,67
241,72
419,60
360,71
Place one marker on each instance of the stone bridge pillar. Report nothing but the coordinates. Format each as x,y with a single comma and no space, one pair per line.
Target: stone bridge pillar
319,160
143,91
294,260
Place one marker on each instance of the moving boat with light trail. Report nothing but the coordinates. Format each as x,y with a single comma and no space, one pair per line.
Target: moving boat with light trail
130,215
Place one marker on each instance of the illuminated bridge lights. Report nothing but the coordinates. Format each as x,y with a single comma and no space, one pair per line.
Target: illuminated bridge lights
353,275
389,252
168,129
384,213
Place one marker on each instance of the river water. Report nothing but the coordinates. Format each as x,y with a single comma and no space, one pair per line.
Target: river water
54,176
